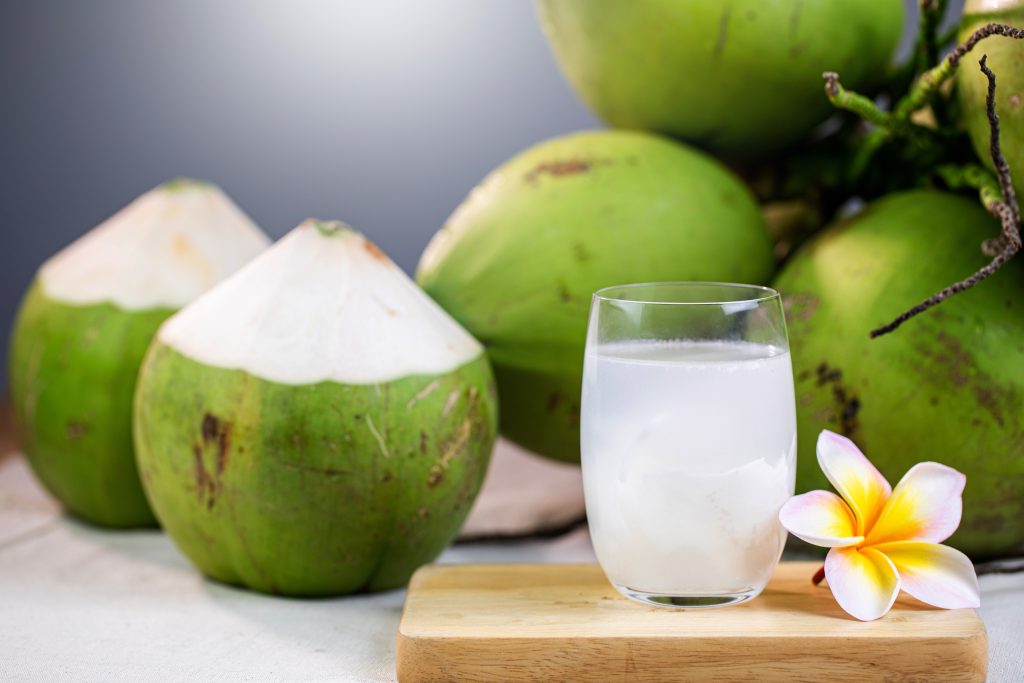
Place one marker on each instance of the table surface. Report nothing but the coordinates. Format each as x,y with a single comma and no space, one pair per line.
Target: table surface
84,604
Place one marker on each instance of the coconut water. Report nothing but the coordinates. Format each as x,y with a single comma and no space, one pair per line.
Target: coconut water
688,451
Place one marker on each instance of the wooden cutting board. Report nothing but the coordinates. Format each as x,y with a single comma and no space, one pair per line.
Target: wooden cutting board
567,623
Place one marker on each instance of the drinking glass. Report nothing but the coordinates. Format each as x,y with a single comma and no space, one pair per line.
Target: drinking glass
688,435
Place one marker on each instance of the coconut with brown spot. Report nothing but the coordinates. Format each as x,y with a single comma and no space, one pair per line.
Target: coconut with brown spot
316,425
519,259
947,386
84,327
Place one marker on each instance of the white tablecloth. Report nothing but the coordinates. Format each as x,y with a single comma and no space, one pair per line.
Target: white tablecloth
81,604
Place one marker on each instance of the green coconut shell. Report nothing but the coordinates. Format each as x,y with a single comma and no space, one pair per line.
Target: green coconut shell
518,261
947,386
72,377
316,489
741,78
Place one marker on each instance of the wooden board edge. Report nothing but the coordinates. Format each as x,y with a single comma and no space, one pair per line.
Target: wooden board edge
423,660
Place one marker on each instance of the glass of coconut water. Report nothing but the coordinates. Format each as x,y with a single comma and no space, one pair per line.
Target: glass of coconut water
688,432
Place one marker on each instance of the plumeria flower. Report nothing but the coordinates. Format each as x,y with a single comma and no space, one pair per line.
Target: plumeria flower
882,539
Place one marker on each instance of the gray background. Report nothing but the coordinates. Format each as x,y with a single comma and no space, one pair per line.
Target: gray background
383,113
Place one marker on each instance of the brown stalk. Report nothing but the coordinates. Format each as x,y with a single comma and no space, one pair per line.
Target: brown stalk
1005,209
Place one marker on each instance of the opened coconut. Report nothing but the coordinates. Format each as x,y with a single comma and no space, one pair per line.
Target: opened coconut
316,424
84,327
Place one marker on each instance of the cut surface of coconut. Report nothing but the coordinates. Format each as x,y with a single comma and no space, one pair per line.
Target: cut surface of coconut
161,251
322,304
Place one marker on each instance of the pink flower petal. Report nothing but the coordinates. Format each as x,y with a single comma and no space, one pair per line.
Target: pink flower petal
862,486
821,518
934,573
863,581
925,506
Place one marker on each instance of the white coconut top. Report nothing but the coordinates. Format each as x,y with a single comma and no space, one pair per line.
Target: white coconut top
323,303
163,250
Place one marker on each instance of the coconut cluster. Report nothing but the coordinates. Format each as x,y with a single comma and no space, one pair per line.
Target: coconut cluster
300,419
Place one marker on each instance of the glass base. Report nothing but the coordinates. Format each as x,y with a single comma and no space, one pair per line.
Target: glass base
688,601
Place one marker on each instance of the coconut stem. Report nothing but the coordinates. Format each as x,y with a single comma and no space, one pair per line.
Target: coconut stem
898,121
866,109
972,177
865,152
886,127
995,150
1002,204
819,576
930,15
931,80
855,102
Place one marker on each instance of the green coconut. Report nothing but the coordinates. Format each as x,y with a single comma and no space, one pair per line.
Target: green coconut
315,425
1006,60
517,262
741,78
84,327
947,386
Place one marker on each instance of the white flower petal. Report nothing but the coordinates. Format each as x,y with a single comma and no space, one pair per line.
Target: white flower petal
864,581
820,518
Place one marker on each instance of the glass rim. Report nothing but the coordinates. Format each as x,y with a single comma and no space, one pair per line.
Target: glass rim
767,293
